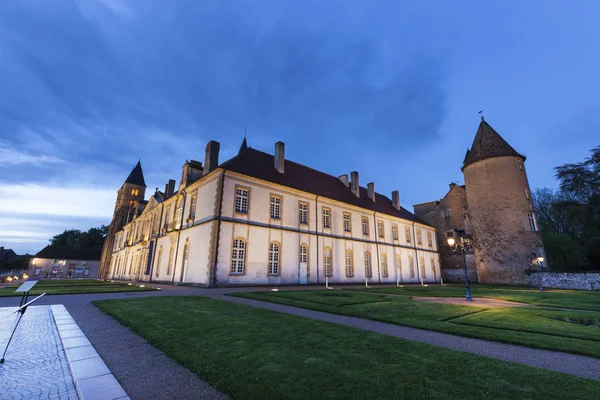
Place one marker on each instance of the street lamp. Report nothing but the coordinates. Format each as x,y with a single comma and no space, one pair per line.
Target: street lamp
464,244
538,259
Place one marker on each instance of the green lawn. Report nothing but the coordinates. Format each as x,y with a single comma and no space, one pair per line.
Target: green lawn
585,300
251,353
543,328
72,286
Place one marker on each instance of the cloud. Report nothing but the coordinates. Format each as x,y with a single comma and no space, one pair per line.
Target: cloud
10,155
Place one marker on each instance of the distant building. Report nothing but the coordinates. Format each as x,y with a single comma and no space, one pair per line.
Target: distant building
65,262
7,256
259,218
495,206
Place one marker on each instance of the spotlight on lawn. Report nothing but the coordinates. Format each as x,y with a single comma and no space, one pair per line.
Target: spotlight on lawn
142,285
274,290
130,284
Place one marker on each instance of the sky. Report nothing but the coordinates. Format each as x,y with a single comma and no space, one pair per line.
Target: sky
390,89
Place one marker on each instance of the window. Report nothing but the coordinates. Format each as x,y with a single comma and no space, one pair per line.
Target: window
303,213
394,231
527,193
275,207
170,265
241,200
398,262
186,257
368,271
158,259
384,268
326,218
422,266
520,164
134,192
238,256
365,225
303,254
432,261
347,222
446,214
273,258
419,237
407,234
532,222
429,239
380,231
411,266
193,206
349,263
327,269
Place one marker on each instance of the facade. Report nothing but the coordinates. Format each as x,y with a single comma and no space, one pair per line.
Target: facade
65,262
495,206
261,219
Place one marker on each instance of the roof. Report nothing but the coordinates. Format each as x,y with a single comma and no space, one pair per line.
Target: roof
244,145
487,144
136,176
260,165
70,253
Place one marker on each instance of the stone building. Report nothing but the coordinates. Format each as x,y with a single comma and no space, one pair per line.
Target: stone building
261,219
495,206
65,262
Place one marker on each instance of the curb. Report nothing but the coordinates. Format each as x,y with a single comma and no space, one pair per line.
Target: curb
93,380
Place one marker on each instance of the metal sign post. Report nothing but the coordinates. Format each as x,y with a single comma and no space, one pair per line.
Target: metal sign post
20,310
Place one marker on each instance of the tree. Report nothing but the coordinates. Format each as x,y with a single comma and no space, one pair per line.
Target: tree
94,237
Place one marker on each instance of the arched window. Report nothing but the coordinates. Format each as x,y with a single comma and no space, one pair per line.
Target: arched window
349,263
158,261
422,265
186,256
273,258
433,268
411,266
238,256
170,264
398,262
384,268
368,271
303,254
327,266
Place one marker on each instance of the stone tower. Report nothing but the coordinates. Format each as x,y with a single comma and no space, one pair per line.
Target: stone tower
503,222
128,199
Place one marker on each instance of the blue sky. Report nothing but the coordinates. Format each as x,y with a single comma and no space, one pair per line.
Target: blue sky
391,89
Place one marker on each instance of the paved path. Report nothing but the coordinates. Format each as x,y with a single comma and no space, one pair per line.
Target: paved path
573,364
36,366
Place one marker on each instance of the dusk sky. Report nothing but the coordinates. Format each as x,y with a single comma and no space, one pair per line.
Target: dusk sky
391,89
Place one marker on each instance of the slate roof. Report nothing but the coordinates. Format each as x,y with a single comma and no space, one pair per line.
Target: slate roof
487,144
260,165
136,176
70,253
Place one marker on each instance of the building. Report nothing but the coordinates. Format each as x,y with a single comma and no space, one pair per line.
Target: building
495,206
261,219
65,262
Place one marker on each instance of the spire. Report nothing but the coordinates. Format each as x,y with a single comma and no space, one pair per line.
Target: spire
136,176
244,145
487,144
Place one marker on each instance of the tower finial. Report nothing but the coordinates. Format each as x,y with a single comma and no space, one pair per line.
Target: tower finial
481,113
245,130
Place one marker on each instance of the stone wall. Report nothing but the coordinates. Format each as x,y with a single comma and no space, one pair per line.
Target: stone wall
565,280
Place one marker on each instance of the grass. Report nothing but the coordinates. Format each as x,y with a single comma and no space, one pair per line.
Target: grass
72,286
543,328
251,353
584,300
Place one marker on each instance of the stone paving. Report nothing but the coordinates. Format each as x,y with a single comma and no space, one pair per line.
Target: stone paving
35,365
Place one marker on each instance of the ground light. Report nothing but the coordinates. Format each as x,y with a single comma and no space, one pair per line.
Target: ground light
274,290
464,244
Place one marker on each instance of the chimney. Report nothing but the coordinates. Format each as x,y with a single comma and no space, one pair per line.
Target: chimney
354,186
280,157
170,188
211,156
371,190
344,179
452,184
396,199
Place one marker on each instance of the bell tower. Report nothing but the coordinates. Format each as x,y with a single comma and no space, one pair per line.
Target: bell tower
503,220
128,197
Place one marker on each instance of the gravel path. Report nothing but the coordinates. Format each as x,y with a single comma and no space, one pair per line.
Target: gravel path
572,364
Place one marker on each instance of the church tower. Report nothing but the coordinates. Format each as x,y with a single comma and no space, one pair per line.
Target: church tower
126,207
503,221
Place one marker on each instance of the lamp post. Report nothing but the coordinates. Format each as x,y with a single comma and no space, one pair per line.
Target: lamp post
538,260
464,245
